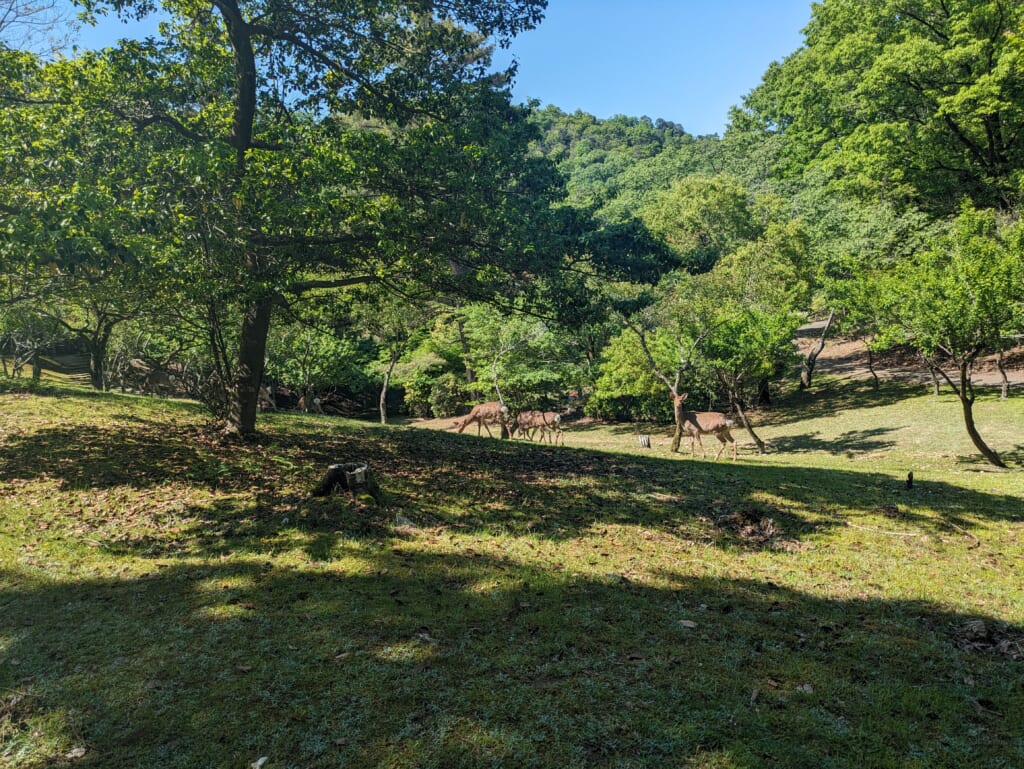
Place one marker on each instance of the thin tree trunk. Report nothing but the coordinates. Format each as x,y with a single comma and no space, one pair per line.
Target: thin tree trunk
474,392
738,405
1005,391
871,368
965,392
252,347
384,387
812,357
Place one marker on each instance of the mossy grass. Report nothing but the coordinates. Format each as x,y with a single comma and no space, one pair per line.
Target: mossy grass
169,599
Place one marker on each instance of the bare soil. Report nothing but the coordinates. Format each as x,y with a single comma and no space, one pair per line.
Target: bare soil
848,359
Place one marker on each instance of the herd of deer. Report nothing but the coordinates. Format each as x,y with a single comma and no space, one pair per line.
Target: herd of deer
526,423
549,424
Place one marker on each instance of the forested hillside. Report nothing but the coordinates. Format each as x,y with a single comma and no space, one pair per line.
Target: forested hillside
285,209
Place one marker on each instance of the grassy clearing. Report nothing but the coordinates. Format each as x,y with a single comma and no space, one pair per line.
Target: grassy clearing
170,601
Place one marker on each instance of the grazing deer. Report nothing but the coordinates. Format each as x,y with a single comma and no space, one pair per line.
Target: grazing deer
548,422
698,423
484,414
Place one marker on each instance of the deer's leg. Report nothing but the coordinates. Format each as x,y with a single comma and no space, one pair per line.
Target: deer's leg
488,429
722,448
726,438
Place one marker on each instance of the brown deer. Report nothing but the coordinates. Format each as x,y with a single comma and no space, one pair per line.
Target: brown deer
548,422
484,414
698,423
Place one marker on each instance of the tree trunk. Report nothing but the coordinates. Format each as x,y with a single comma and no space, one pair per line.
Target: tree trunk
384,387
966,394
97,346
737,404
812,356
677,414
252,347
1004,392
474,392
764,393
871,368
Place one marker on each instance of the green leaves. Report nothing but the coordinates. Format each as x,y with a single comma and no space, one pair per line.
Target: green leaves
917,101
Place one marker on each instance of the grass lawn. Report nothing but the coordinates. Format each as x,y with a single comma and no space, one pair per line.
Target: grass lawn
168,600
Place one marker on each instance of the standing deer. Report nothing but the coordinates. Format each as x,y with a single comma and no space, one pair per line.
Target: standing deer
484,414
548,422
698,423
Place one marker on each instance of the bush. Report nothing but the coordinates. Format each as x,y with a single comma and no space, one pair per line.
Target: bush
446,395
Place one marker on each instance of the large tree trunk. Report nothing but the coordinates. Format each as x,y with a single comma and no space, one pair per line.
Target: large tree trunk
252,348
812,357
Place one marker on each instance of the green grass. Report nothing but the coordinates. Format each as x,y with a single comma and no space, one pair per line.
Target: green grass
169,600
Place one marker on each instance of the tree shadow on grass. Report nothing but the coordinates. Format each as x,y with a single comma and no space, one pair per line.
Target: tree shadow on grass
847,444
830,396
463,484
418,658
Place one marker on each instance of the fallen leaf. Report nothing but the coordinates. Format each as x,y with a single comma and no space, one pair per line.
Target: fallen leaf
688,623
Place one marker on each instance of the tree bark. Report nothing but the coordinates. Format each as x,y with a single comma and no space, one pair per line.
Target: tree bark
1004,392
252,348
737,404
384,387
812,357
871,368
97,346
965,392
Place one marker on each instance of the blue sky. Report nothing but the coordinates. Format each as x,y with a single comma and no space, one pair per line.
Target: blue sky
687,61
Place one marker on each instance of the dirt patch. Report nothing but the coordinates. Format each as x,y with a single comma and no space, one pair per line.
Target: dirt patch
848,359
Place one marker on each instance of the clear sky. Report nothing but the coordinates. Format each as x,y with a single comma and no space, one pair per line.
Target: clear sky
687,61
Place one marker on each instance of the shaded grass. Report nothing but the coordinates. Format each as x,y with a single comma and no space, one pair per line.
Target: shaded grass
170,600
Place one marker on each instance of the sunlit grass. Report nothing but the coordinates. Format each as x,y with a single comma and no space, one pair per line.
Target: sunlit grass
171,600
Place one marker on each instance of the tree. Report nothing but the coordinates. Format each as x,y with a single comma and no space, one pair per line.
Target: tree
77,249
309,146
920,101
703,217
956,301
392,321
29,24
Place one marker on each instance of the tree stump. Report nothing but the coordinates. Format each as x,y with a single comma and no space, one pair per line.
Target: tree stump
645,441
354,477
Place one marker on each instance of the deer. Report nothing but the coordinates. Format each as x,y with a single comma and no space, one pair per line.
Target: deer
698,423
548,422
484,414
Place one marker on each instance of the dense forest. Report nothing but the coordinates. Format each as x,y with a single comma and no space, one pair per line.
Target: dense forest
315,202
